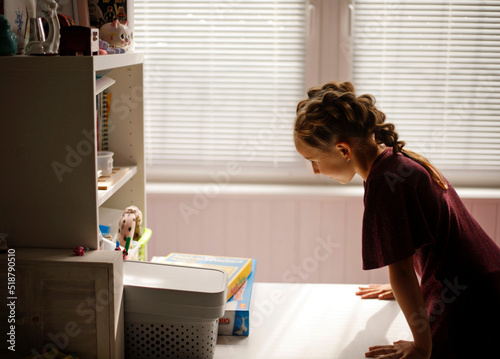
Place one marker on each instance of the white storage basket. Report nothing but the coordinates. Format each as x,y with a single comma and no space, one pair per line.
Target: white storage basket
172,311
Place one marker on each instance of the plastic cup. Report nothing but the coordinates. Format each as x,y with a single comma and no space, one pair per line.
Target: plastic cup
105,162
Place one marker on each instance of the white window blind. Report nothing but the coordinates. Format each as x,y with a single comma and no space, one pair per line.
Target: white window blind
222,79
434,67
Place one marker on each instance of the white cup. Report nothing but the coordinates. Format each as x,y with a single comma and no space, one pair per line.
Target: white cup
105,162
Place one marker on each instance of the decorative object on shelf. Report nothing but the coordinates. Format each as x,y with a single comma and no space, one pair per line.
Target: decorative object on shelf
79,41
116,35
105,11
50,14
16,14
8,40
80,251
105,49
130,224
33,32
49,46
65,20
96,16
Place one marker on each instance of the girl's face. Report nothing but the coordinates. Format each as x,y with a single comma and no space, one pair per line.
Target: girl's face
332,164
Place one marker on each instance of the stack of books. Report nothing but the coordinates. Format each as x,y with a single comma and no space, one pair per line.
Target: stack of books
240,272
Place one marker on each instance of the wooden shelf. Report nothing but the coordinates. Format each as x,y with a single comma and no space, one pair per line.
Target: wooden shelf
70,63
103,83
117,180
107,62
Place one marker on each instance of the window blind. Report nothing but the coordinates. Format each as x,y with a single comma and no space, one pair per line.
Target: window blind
222,79
434,68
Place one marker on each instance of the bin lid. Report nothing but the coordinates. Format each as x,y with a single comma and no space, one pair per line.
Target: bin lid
173,290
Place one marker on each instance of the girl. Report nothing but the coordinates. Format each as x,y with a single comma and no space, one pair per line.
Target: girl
413,221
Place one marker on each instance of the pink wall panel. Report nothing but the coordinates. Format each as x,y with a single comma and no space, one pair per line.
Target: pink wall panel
294,238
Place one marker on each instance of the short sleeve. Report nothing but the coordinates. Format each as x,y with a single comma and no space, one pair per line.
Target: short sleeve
394,224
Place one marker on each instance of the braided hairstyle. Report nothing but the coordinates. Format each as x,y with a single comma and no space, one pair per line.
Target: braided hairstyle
333,113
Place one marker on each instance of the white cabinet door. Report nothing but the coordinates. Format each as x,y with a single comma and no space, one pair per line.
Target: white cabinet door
69,309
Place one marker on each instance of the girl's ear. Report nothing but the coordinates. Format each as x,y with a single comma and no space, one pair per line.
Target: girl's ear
345,149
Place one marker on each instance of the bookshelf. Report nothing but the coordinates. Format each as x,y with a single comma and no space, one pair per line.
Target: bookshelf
49,195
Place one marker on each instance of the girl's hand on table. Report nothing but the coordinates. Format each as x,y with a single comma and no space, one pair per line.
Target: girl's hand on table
400,349
380,291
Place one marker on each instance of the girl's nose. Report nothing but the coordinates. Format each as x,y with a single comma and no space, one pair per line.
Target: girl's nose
315,168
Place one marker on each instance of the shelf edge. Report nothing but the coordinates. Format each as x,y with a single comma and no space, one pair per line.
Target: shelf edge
104,195
103,83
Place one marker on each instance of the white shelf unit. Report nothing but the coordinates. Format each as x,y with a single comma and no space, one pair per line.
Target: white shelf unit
49,196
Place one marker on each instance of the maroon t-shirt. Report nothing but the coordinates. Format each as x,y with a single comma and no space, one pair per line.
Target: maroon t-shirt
408,214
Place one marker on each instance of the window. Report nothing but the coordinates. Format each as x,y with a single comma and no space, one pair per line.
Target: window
434,67
222,80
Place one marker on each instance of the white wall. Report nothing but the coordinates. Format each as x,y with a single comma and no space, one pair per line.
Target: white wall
295,236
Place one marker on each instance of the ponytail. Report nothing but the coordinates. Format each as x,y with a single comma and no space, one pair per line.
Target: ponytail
333,112
385,133
433,171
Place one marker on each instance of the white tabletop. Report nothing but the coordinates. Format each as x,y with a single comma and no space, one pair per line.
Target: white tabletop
314,321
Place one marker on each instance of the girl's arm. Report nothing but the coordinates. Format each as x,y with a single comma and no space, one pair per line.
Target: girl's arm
407,291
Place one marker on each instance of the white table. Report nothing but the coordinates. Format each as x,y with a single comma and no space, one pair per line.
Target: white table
314,321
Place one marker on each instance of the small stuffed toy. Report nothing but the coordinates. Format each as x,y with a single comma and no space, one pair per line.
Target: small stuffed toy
130,225
104,49
116,35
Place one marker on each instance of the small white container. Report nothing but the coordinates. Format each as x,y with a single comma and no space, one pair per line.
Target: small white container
172,311
133,252
105,162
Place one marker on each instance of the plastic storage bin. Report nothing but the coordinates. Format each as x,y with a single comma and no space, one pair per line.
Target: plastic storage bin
172,311
141,243
105,162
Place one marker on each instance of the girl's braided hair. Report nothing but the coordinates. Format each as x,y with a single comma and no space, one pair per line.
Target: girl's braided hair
333,113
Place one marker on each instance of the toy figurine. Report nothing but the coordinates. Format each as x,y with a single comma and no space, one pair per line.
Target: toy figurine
130,225
51,45
8,40
116,35
121,16
96,16
109,15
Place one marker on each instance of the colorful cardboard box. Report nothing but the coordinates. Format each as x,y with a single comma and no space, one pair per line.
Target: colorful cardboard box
236,320
237,269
